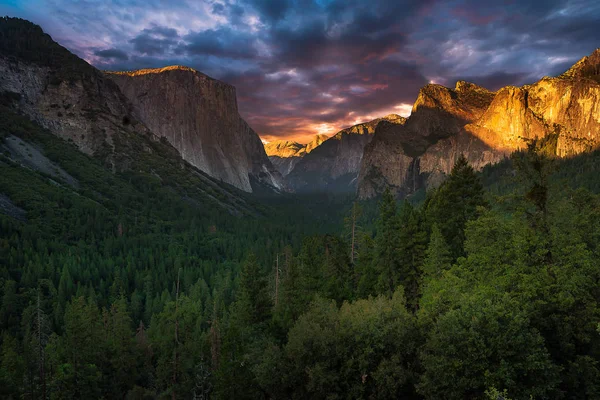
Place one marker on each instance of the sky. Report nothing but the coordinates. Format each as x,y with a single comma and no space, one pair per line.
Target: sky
304,67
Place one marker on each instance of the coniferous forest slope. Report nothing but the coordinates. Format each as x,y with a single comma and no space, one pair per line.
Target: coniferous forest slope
150,279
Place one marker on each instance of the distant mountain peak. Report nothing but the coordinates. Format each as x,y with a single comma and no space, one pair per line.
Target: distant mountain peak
316,142
283,148
587,67
285,154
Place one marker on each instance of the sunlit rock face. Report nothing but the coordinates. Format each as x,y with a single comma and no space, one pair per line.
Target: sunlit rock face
334,165
198,115
285,154
484,126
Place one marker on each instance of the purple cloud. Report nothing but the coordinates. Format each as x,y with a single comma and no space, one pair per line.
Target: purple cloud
315,66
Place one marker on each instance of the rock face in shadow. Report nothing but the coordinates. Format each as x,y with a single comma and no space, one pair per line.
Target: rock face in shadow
198,115
285,154
334,165
484,126
112,116
65,94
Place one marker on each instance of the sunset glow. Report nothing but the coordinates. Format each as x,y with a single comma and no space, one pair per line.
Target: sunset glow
302,68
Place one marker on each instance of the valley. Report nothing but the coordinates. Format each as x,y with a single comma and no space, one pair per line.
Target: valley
153,246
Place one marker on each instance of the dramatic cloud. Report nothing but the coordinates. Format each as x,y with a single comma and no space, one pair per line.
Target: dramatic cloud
115,54
155,41
303,67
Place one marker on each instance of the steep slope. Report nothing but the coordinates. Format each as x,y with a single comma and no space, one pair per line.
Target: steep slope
484,126
285,154
65,94
334,165
198,115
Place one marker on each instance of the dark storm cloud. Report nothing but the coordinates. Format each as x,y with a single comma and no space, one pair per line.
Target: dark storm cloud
112,54
271,10
222,42
157,40
309,66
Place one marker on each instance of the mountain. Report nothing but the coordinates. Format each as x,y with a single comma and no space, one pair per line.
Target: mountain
334,165
285,154
65,94
198,115
485,126
78,103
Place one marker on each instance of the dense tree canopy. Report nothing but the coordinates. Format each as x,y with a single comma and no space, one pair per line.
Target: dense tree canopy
123,287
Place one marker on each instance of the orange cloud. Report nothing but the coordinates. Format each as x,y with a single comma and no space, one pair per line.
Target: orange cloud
303,130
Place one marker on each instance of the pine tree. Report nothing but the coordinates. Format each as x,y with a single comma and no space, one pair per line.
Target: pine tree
254,300
386,245
412,244
455,203
12,368
79,375
41,331
534,168
121,349
438,256
365,273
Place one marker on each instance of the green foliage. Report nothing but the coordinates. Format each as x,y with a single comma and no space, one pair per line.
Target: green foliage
159,282
254,300
437,256
487,341
455,203
365,349
386,241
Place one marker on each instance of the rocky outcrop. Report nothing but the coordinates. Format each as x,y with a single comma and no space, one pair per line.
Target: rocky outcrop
63,93
285,154
334,165
484,126
198,115
401,156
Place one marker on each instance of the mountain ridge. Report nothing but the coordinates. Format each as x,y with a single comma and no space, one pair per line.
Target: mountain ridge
335,163
79,103
484,126
199,116
285,154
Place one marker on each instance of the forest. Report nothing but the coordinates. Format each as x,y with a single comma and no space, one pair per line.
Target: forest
123,286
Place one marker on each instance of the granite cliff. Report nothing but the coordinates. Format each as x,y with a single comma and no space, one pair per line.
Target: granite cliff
285,154
334,165
65,94
198,115
485,126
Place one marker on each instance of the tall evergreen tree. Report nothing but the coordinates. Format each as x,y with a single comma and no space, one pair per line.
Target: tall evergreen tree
412,244
386,259
455,203
121,348
78,375
254,300
438,256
